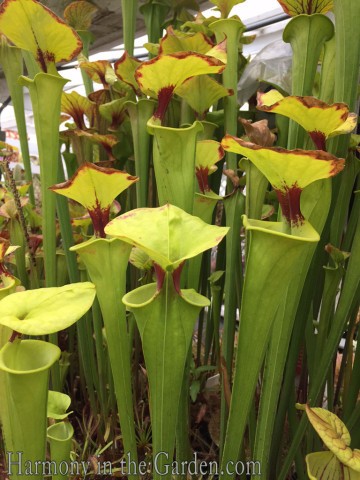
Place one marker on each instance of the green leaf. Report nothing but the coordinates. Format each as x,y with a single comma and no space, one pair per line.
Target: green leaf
79,14
125,70
57,405
225,6
46,310
98,71
77,106
201,92
215,276
140,259
167,234
114,112
194,389
335,435
177,41
208,152
325,466
33,27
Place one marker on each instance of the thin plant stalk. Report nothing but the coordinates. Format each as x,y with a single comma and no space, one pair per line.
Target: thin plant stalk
12,64
129,9
231,29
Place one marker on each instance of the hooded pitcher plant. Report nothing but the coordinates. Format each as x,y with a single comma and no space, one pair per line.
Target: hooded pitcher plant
95,188
59,434
49,40
307,33
164,313
289,242
208,153
173,149
161,77
174,153
26,364
106,261
320,120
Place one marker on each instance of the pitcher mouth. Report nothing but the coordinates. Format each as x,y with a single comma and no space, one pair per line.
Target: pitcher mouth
24,357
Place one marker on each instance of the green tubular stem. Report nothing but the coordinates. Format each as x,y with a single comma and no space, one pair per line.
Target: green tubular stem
106,262
282,125
100,357
212,325
234,208
203,208
353,423
187,115
316,204
293,423
183,448
45,93
347,52
231,28
60,437
347,302
341,207
166,321
270,283
26,365
303,315
327,77
86,38
12,63
174,163
332,279
347,59
62,208
61,269
204,316
288,386
154,14
307,35
129,9
274,366
86,354
209,131
70,163
139,114
256,186
354,216
32,66
350,400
